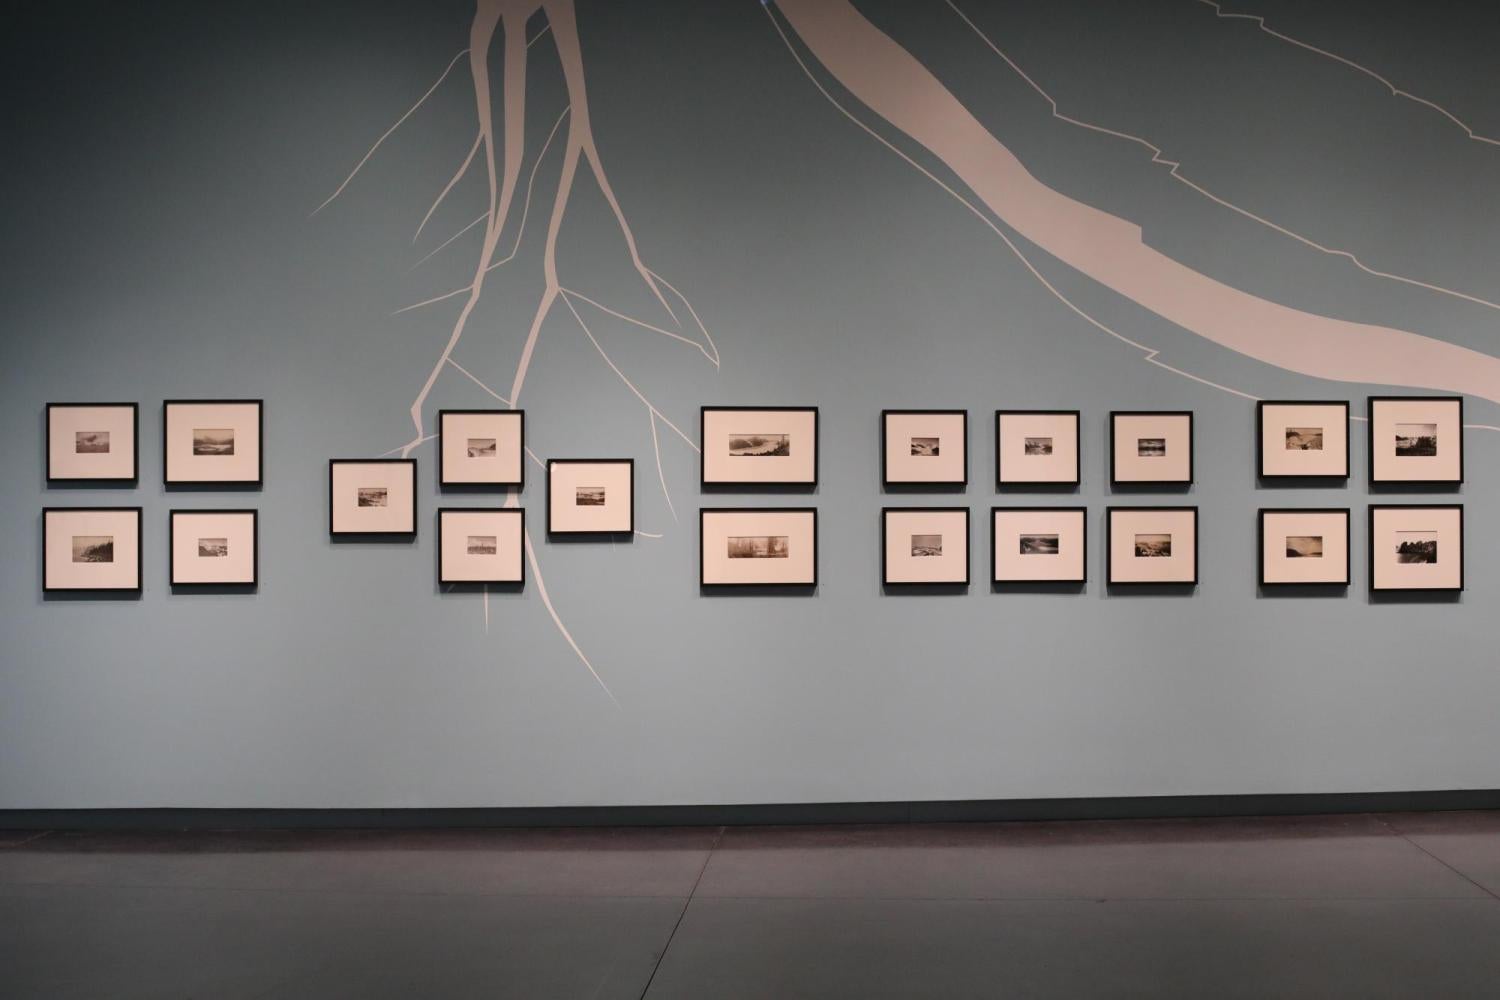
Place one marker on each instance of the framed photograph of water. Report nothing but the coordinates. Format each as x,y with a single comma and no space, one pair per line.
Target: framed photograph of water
750,447
1307,546
924,449
1302,440
481,449
1151,448
93,443
372,496
482,545
590,496
91,549
214,548
1038,544
758,547
1416,547
212,442
1036,448
924,545
1152,545
1416,440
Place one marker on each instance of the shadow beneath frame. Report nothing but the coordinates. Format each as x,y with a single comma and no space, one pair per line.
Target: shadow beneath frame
493,589
1150,589
1301,482
480,489
784,489
211,487
757,590
89,596
1271,591
379,538
913,489
1019,489
923,589
1416,489
589,538
1415,596
213,589
1151,489
1069,587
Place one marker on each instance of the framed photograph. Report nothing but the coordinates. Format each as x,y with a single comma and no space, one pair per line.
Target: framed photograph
214,547
748,446
924,448
1152,545
925,545
590,496
481,448
1304,546
212,442
1417,440
1416,547
1035,447
372,496
1039,544
758,547
1151,448
482,545
93,443
91,548
1302,440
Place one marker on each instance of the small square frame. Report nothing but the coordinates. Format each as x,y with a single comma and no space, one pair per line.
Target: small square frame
1375,508
53,479
47,523
186,513
518,580
168,454
1001,481
626,528
885,547
957,479
399,533
1265,407
450,475
1376,403
1110,514
1082,513
1261,538
1115,471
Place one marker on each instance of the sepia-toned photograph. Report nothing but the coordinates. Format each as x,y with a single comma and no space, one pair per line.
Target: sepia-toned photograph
1304,439
1416,547
213,548
213,441
926,545
1153,546
760,445
757,546
482,448
1151,447
1038,545
588,496
1038,446
926,447
1416,440
91,442
483,545
93,548
373,496
1304,546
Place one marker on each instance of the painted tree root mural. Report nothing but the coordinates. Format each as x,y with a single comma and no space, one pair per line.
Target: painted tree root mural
501,156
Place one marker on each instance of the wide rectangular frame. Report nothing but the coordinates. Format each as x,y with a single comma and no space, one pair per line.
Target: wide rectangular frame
726,485
1117,483
1083,513
135,459
405,534
605,533
140,551
1061,484
886,581
260,445
253,583
1260,443
1463,566
809,585
517,583
1260,546
1109,546
1370,402
917,484
462,485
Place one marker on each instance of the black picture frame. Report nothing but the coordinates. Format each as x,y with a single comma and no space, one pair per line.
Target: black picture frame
1260,441
808,586
1109,546
80,482
215,484
396,535
774,485
517,584
1083,572
466,486
1462,560
1001,483
252,584
1370,403
885,579
912,485
1260,547
1127,484
140,550
555,532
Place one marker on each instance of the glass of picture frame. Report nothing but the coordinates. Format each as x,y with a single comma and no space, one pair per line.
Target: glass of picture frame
758,547
1416,440
1037,448
748,447
1302,439
213,442
91,549
372,497
485,545
91,443
481,449
1152,545
926,449
1304,546
1417,547
590,496
924,545
1151,447
1038,545
214,548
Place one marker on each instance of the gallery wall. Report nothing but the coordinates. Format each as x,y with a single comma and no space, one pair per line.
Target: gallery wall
736,209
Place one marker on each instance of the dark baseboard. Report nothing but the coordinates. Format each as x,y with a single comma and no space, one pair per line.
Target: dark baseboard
790,814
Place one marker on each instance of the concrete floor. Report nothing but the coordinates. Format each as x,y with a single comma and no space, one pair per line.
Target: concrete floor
1343,906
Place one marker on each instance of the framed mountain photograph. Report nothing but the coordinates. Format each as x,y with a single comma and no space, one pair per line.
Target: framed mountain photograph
1306,546
758,547
1038,544
590,496
214,548
1036,448
1302,440
212,442
1152,545
481,449
747,447
1151,448
372,496
924,545
1417,547
93,443
924,448
482,545
91,549
1416,440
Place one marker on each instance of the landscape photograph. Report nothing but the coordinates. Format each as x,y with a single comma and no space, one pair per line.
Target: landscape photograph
213,548
1416,547
482,545
213,441
1151,447
1304,546
1153,546
759,445
374,496
588,496
926,447
1304,439
93,548
1416,440
91,442
1038,446
481,447
757,546
1039,545
926,545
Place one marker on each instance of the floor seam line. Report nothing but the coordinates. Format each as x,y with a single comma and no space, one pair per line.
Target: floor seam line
1400,833
707,857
